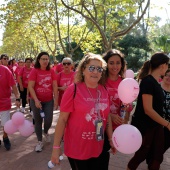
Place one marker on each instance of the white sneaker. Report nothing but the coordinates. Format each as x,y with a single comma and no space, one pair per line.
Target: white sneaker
18,109
23,110
39,146
47,138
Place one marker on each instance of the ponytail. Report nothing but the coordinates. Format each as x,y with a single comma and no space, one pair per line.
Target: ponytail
145,70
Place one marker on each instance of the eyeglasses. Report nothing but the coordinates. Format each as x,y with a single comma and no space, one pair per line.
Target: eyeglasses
92,68
44,59
5,58
66,64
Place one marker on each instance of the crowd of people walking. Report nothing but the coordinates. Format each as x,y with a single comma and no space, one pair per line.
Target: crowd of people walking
89,104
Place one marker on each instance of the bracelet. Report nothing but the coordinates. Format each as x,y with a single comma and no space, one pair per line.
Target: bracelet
18,99
167,124
56,147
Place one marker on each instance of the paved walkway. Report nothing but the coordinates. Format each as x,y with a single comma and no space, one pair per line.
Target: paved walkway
23,157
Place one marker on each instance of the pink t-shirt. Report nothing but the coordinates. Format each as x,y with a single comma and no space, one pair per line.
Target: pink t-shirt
24,73
59,67
43,83
6,82
18,69
80,133
64,80
115,102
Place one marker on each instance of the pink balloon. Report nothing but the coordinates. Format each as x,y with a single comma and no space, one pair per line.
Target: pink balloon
26,129
129,74
18,118
127,139
128,90
10,128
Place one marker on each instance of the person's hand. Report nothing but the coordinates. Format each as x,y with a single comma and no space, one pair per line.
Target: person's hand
63,88
55,105
21,88
55,156
113,149
38,104
117,119
168,126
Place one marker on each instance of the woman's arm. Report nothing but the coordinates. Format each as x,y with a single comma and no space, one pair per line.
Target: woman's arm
20,83
63,88
55,92
109,131
17,95
147,104
59,131
31,85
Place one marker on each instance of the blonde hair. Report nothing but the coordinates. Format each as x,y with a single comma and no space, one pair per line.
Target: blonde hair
82,65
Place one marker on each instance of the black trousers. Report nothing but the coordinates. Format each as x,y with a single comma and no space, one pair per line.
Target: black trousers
24,97
152,142
166,144
99,163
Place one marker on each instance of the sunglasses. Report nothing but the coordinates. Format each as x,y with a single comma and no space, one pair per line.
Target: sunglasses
92,68
5,58
66,64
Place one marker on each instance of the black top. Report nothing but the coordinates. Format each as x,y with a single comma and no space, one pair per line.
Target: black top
141,120
166,107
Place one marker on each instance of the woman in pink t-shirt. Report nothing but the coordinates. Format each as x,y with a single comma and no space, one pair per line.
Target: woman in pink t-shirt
114,73
17,70
84,115
65,77
42,86
23,81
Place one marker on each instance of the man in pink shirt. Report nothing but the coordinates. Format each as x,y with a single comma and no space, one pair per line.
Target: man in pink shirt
5,101
4,59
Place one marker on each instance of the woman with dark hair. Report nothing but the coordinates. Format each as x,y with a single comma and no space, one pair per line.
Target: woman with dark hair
165,84
114,75
43,87
149,112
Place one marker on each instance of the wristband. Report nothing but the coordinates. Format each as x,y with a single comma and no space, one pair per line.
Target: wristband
18,99
56,147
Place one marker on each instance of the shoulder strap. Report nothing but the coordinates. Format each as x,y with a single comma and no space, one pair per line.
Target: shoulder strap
75,88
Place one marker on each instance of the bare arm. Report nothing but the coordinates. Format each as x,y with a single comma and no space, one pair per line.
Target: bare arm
31,85
17,95
20,83
147,104
109,131
59,131
55,91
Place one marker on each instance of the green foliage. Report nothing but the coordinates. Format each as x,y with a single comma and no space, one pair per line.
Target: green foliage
135,49
49,25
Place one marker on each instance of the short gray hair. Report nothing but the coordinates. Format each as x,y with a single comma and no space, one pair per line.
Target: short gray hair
67,58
